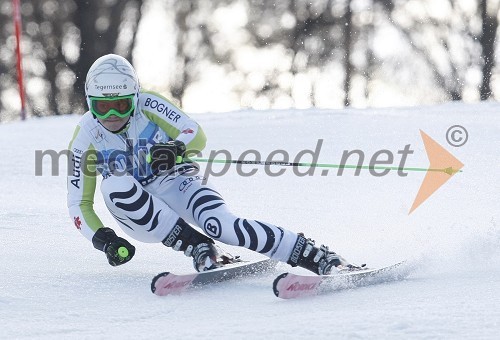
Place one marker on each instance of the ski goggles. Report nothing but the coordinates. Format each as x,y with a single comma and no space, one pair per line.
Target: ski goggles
103,107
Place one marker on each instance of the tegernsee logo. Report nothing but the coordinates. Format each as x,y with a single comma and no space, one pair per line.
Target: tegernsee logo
111,87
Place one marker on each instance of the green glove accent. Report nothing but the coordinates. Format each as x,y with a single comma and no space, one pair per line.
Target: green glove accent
123,252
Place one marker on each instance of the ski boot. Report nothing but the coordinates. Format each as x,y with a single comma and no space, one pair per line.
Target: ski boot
206,255
318,260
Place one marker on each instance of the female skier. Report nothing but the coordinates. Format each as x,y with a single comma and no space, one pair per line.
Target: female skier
137,140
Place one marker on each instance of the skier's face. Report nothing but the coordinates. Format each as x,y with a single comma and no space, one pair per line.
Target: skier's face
114,123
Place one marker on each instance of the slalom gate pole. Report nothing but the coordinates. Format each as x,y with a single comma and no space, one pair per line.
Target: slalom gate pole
17,26
449,171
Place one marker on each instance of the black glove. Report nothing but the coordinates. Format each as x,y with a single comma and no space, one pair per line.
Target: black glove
164,156
117,249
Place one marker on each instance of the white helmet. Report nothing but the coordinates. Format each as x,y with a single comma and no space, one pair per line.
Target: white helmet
111,76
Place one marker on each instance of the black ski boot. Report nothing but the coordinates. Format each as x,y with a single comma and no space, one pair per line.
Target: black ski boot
206,255
318,260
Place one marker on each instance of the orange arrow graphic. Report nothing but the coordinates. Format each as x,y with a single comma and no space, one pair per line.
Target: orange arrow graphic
439,158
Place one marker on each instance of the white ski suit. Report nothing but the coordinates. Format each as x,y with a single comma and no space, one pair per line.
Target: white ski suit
146,206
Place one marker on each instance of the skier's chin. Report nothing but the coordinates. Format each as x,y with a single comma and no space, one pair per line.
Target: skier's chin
114,124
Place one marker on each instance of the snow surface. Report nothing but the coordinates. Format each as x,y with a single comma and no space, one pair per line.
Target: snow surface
54,284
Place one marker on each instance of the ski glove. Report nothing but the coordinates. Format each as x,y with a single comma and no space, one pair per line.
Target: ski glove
164,156
117,249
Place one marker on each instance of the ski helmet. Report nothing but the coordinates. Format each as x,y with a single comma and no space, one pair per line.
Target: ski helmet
111,76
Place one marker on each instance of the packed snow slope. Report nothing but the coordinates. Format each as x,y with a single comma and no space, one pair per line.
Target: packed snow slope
54,284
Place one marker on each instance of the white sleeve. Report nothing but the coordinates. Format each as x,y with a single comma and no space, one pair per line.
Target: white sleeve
82,184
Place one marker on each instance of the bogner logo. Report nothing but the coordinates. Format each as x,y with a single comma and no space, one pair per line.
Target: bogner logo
297,287
163,109
173,235
297,250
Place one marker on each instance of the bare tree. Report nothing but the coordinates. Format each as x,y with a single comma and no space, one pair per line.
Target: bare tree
450,76
489,18
348,68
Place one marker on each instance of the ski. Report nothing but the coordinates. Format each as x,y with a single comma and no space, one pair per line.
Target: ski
168,283
289,286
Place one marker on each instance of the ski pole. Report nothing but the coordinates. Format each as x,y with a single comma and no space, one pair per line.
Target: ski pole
449,170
